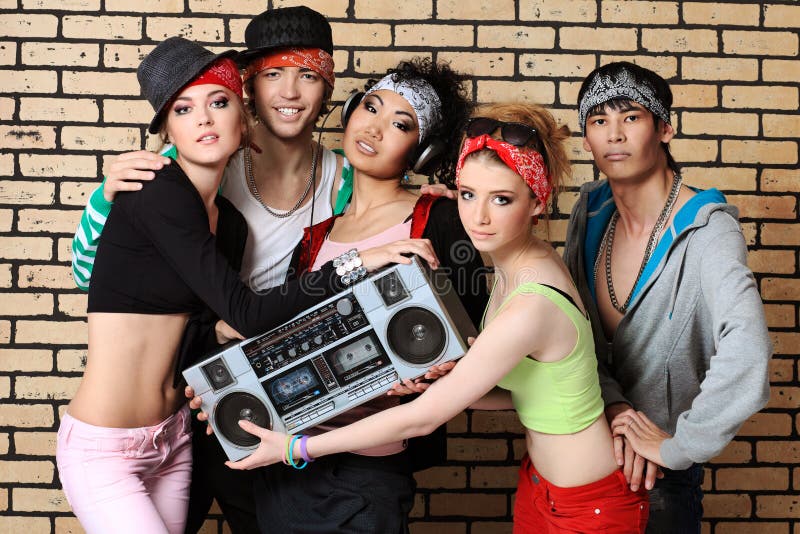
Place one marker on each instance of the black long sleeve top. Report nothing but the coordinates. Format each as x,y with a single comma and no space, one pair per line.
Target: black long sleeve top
158,256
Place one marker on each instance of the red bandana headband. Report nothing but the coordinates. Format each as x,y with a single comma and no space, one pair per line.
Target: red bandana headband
222,72
529,163
314,59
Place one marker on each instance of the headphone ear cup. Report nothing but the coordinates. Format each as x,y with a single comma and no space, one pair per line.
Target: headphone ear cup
426,155
349,106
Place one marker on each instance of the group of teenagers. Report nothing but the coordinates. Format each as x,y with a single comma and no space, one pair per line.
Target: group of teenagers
630,362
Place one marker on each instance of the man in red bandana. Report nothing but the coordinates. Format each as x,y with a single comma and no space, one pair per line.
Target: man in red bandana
281,182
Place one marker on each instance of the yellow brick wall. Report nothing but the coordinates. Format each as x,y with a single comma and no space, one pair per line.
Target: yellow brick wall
69,98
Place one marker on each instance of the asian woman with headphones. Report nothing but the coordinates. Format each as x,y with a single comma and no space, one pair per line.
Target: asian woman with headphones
409,120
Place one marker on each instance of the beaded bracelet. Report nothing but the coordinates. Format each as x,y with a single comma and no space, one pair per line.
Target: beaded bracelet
349,267
304,450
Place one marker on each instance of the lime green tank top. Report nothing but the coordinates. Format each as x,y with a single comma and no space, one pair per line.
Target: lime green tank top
561,397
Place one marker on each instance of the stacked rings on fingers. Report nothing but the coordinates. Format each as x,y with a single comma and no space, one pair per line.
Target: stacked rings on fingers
349,267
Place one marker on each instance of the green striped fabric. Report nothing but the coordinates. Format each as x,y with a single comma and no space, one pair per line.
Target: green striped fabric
84,244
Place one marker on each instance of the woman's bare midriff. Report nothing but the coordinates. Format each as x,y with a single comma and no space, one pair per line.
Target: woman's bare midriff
569,460
129,370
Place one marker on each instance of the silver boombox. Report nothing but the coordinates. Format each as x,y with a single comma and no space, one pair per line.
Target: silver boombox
341,353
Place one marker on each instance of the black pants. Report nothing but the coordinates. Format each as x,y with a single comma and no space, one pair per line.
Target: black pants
342,493
212,479
676,502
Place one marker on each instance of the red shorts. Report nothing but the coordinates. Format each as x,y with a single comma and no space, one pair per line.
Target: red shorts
607,505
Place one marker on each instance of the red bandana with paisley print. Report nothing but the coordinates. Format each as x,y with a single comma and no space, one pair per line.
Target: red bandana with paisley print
314,59
222,72
526,162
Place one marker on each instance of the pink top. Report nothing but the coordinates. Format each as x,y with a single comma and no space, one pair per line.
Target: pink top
328,251
331,249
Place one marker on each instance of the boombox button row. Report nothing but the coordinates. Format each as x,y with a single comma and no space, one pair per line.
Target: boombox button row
325,408
358,393
372,386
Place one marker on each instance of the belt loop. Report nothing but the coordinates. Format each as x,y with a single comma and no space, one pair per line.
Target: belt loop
157,432
141,434
130,444
186,419
550,501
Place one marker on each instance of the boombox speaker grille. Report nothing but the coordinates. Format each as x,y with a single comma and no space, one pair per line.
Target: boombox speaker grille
416,335
236,406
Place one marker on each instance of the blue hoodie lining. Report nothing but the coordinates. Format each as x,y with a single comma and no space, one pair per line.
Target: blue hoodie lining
599,215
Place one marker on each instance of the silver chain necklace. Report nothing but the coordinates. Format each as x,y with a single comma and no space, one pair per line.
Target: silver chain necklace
251,183
608,242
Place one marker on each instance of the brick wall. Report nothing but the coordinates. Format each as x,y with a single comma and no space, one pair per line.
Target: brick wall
69,99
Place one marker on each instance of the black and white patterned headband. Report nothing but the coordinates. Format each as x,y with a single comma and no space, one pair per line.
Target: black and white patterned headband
604,87
422,97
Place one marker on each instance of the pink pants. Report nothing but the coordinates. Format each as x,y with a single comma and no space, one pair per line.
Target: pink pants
127,480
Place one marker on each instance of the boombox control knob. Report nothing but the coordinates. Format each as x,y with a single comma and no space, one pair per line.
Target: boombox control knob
292,353
305,346
318,340
344,306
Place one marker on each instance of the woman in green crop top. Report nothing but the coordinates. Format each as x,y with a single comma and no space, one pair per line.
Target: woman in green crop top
535,352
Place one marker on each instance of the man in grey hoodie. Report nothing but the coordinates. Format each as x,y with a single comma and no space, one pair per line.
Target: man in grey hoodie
679,326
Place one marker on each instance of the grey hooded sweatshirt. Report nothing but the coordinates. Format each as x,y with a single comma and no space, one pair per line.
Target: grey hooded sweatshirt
692,351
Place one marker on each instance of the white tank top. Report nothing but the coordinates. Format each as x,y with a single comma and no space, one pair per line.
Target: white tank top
271,240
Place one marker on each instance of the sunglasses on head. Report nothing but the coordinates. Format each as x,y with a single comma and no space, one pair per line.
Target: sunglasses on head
514,133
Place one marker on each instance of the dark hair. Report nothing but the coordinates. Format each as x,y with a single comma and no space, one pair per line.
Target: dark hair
456,107
642,76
